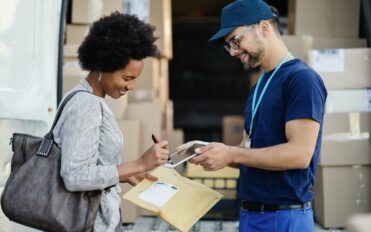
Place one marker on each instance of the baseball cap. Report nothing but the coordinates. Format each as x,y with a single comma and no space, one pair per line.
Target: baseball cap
240,13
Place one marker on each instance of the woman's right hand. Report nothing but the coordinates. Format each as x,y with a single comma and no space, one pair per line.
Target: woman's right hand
155,156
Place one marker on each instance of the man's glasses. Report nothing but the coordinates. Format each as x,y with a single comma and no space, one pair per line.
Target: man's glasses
235,41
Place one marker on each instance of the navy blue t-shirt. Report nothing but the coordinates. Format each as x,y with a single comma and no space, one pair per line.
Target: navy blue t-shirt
295,92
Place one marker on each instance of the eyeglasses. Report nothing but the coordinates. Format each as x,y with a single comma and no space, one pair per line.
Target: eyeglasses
235,41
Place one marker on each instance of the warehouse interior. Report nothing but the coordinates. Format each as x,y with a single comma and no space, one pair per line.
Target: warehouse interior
196,91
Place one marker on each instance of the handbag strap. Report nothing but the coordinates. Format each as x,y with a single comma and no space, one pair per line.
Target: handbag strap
47,141
61,107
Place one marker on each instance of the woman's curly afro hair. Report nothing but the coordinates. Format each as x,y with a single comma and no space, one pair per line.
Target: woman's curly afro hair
115,39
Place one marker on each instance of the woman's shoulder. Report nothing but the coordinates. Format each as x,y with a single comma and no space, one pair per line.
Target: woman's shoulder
83,102
83,96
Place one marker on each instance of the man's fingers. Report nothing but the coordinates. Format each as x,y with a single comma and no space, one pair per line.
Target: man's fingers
198,159
203,149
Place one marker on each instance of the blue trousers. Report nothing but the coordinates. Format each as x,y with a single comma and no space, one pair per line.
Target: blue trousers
295,220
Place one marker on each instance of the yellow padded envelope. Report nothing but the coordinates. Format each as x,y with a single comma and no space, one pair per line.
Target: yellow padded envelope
185,207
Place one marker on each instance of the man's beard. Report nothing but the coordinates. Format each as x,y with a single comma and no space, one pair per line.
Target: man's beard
253,62
255,58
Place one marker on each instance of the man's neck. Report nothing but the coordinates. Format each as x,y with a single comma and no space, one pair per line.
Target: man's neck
274,55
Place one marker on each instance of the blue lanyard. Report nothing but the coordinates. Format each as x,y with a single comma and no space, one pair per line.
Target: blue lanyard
256,106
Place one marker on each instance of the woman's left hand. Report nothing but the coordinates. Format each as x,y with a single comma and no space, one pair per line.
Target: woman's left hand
134,180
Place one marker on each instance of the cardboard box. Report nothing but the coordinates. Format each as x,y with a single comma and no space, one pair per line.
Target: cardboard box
346,149
131,132
348,101
70,51
76,33
164,82
147,84
197,171
341,191
359,223
175,138
117,106
150,116
160,17
324,18
86,11
110,6
343,68
346,122
233,128
344,172
300,45
129,212
72,75
168,121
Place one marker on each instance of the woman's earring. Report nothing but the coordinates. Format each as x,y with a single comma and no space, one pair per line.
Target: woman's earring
100,77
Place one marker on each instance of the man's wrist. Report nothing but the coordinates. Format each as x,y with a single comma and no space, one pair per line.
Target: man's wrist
233,154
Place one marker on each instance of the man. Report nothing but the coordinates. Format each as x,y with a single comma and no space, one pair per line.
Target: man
283,121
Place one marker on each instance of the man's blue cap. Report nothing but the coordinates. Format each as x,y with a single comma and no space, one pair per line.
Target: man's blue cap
241,13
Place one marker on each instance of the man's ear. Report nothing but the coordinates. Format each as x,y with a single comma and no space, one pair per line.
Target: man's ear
265,28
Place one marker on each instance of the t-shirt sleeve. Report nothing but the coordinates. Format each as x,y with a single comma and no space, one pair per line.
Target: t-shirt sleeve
305,96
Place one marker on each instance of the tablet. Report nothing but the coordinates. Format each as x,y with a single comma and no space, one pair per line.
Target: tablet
180,157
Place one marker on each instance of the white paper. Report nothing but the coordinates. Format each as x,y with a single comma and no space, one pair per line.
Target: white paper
356,100
159,193
328,60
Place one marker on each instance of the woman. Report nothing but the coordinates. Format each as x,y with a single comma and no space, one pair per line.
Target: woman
87,132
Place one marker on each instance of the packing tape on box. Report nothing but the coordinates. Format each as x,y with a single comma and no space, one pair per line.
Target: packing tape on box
354,123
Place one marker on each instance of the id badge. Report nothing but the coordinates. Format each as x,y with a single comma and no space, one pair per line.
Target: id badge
247,143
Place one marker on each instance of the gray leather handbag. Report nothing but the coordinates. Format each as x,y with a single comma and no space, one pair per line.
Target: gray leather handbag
35,195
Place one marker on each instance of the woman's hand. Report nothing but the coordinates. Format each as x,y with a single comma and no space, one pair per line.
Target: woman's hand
134,180
155,156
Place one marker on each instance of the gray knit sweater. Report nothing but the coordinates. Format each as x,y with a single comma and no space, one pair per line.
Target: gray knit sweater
91,144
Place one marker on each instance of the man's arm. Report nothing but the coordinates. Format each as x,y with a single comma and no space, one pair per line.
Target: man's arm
241,145
297,153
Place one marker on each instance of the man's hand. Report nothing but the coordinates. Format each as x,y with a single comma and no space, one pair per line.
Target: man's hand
213,157
134,180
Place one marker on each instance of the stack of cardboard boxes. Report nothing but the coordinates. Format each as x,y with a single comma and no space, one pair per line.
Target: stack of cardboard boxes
329,43
233,128
344,173
147,109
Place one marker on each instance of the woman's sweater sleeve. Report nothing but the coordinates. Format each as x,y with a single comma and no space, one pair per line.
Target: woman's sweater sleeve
79,140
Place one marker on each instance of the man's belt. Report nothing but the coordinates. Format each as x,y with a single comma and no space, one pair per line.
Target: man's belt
258,207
